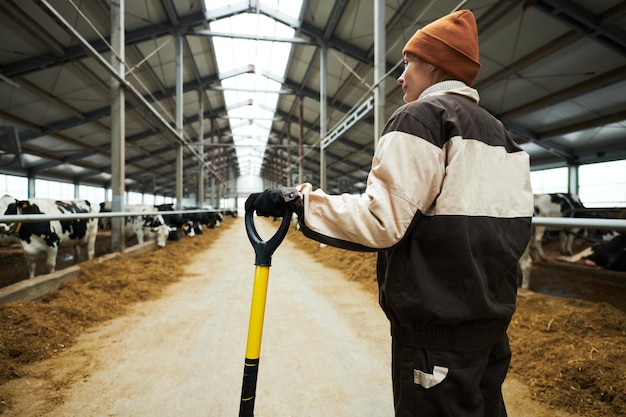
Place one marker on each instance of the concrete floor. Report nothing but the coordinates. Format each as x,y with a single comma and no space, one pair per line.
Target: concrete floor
325,348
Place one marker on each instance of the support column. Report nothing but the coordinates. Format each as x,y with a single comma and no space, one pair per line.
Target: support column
179,121
323,84
118,126
233,173
300,140
572,179
200,195
31,186
287,161
379,68
212,161
222,175
290,182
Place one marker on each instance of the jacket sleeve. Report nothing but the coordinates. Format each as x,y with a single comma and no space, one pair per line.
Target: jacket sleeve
404,181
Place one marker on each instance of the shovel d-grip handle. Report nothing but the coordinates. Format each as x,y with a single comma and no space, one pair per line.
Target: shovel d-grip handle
265,250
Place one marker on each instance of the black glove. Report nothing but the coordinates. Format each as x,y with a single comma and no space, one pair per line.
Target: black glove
269,203
272,203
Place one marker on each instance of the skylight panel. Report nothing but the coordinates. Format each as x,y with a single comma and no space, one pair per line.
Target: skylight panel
288,7
251,98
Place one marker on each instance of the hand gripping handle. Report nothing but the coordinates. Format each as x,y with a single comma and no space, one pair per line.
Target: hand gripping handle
265,250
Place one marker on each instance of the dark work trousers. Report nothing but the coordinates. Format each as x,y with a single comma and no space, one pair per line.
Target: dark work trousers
444,383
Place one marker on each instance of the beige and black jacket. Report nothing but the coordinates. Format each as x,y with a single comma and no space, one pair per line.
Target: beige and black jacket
448,208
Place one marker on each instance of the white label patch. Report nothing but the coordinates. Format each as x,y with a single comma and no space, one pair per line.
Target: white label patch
430,380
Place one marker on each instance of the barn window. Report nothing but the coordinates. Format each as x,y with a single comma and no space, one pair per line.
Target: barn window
603,184
549,181
54,189
14,186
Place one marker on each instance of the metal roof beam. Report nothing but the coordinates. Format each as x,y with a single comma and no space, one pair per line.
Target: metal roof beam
276,14
61,125
334,176
106,111
228,11
317,34
33,27
335,15
313,95
311,126
495,13
95,150
584,125
584,21
132,139
210,34
345,141
546,50
170,10
354,117
529,59
601,81
529,136
605,154
76,52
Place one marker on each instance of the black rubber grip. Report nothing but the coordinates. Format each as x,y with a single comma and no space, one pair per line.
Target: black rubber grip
248,388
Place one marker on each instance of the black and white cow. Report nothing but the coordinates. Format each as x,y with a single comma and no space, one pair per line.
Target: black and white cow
231,213
47,236
549,205
215,219
148,226
201,219
556,205
177,222
609,254
104,223
525,265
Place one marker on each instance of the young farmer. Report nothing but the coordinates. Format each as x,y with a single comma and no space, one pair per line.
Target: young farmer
448,209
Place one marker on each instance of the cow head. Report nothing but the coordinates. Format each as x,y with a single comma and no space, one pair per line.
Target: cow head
160,229
189,229
5,229
7,207
161,232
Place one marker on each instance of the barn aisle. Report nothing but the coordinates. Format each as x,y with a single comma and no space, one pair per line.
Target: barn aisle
325,349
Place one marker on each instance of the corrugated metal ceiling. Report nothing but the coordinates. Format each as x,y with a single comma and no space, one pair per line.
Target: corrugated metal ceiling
554,71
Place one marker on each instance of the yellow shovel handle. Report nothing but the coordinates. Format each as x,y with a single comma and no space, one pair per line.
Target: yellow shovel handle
263,260
257,312
253,347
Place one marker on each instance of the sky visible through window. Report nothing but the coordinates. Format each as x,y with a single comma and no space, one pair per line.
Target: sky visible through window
251,97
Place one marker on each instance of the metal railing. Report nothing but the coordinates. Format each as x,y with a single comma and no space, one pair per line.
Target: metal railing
594,223
33,218
566,222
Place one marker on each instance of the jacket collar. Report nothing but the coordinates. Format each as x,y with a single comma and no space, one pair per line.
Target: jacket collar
451,87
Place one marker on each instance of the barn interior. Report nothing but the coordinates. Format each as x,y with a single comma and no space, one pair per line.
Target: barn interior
187,99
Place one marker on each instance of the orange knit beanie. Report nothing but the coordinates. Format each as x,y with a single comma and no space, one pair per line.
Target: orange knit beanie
449,43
